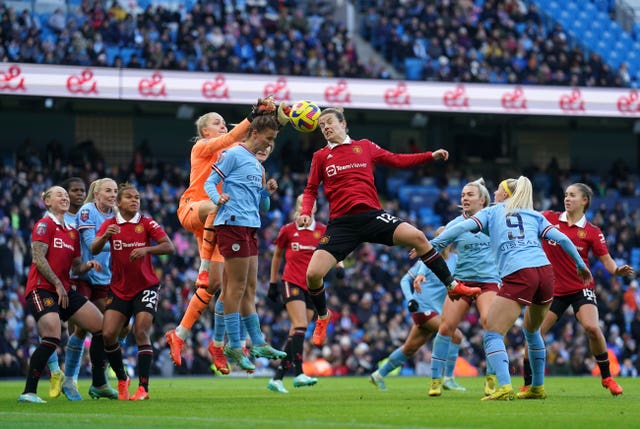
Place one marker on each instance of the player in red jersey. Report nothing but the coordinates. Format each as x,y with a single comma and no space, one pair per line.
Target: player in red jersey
345,169
134,284
196,213
568,290
50,298
296,244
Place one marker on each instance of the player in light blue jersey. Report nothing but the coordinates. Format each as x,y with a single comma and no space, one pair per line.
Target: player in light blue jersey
425,295
476,267
98,207
515,231
236,228
77,191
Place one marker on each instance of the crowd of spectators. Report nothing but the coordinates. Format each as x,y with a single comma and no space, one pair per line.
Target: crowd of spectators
502,41
371,318
267,37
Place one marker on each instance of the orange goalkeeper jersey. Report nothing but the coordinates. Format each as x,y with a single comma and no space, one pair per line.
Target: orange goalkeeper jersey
204,154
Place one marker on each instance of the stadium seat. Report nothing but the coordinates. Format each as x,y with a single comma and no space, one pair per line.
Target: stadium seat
553,8
635,257
614,59
393,183
49,6
111,52
19,5
413,68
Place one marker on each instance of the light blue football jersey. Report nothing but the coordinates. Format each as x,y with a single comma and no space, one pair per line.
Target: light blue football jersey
89,219
515,238
241,175
476,261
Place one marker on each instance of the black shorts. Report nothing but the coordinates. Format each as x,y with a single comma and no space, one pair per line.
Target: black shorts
147,300
296,293
345,233
576,300
42,301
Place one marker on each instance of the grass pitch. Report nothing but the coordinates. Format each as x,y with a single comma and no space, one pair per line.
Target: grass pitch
335,402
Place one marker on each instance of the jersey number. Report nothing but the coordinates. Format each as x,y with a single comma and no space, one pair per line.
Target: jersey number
150,296
387,218
514,221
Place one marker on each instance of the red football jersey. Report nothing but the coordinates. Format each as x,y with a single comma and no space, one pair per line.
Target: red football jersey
129,278
346,173
584,236
64,246
299,244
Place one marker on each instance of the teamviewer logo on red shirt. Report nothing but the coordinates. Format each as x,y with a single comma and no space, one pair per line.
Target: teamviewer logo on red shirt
117,244
331,170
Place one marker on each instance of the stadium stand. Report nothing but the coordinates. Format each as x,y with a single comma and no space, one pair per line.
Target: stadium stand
497,41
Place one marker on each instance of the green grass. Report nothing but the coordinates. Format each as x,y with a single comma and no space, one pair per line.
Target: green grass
347,402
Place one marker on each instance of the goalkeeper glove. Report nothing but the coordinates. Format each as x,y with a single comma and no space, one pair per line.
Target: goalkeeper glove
283,114
265,106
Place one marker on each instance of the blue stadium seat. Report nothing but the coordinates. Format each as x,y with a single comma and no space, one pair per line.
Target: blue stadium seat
635,257
553,8
454,191
393,184
584,17
596,26
578,28
633,61
589,38
126,53
590,8
417,195
111,52
607,37
625,39
543,4
614,59
413,68
565,18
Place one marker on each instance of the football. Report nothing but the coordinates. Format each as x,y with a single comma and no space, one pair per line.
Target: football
304,116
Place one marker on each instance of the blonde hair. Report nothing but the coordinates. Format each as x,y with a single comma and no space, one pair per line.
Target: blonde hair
202,122
47,193
521,194
95,187
482,190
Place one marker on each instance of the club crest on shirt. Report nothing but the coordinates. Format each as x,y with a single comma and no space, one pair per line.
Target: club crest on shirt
72,235
139,229
84,215
41,228
357,149
582,233
316,234
235,247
